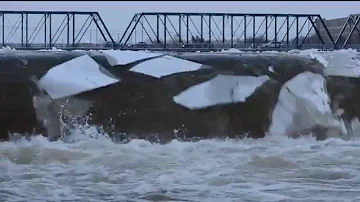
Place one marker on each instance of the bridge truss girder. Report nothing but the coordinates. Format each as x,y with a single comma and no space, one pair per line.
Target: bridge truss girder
47,27
352,23
292,26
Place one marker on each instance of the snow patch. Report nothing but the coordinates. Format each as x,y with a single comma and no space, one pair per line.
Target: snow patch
164,66
231,50
118,57
344,72
52,49
73,77
7,49
222,89
303,103
315,54
345,62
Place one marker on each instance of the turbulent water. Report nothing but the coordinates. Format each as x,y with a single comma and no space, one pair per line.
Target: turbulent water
85,168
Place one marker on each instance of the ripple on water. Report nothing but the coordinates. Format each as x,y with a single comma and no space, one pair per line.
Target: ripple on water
269,169
271,162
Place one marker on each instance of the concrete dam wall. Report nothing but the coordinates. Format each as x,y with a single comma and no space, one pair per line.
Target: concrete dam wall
187,96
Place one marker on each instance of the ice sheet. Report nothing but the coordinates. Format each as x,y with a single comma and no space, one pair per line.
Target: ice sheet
118,57
73,77
164,66
303,103
222,89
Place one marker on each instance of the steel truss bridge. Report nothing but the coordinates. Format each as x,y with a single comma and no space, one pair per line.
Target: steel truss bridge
177,31
44,29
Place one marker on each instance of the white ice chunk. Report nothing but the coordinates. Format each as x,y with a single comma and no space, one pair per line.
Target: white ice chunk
73,77
343,71
164,66
7,49
303,103
231,50
319,58
355,125
222,89
118,57
52,49
345,63
271,69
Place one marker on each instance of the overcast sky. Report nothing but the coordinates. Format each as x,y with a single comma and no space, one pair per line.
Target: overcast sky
118,14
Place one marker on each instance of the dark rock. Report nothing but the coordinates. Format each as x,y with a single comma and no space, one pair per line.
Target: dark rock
16,109
344,95
285,66
142,106
343,92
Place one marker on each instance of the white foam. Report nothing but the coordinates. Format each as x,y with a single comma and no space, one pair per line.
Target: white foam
222,89
303,98
164,66
73,77
118,57
37,170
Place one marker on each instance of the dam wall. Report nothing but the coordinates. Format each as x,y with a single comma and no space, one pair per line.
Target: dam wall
162,96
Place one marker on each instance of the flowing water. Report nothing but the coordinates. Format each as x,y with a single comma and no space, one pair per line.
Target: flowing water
88,168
